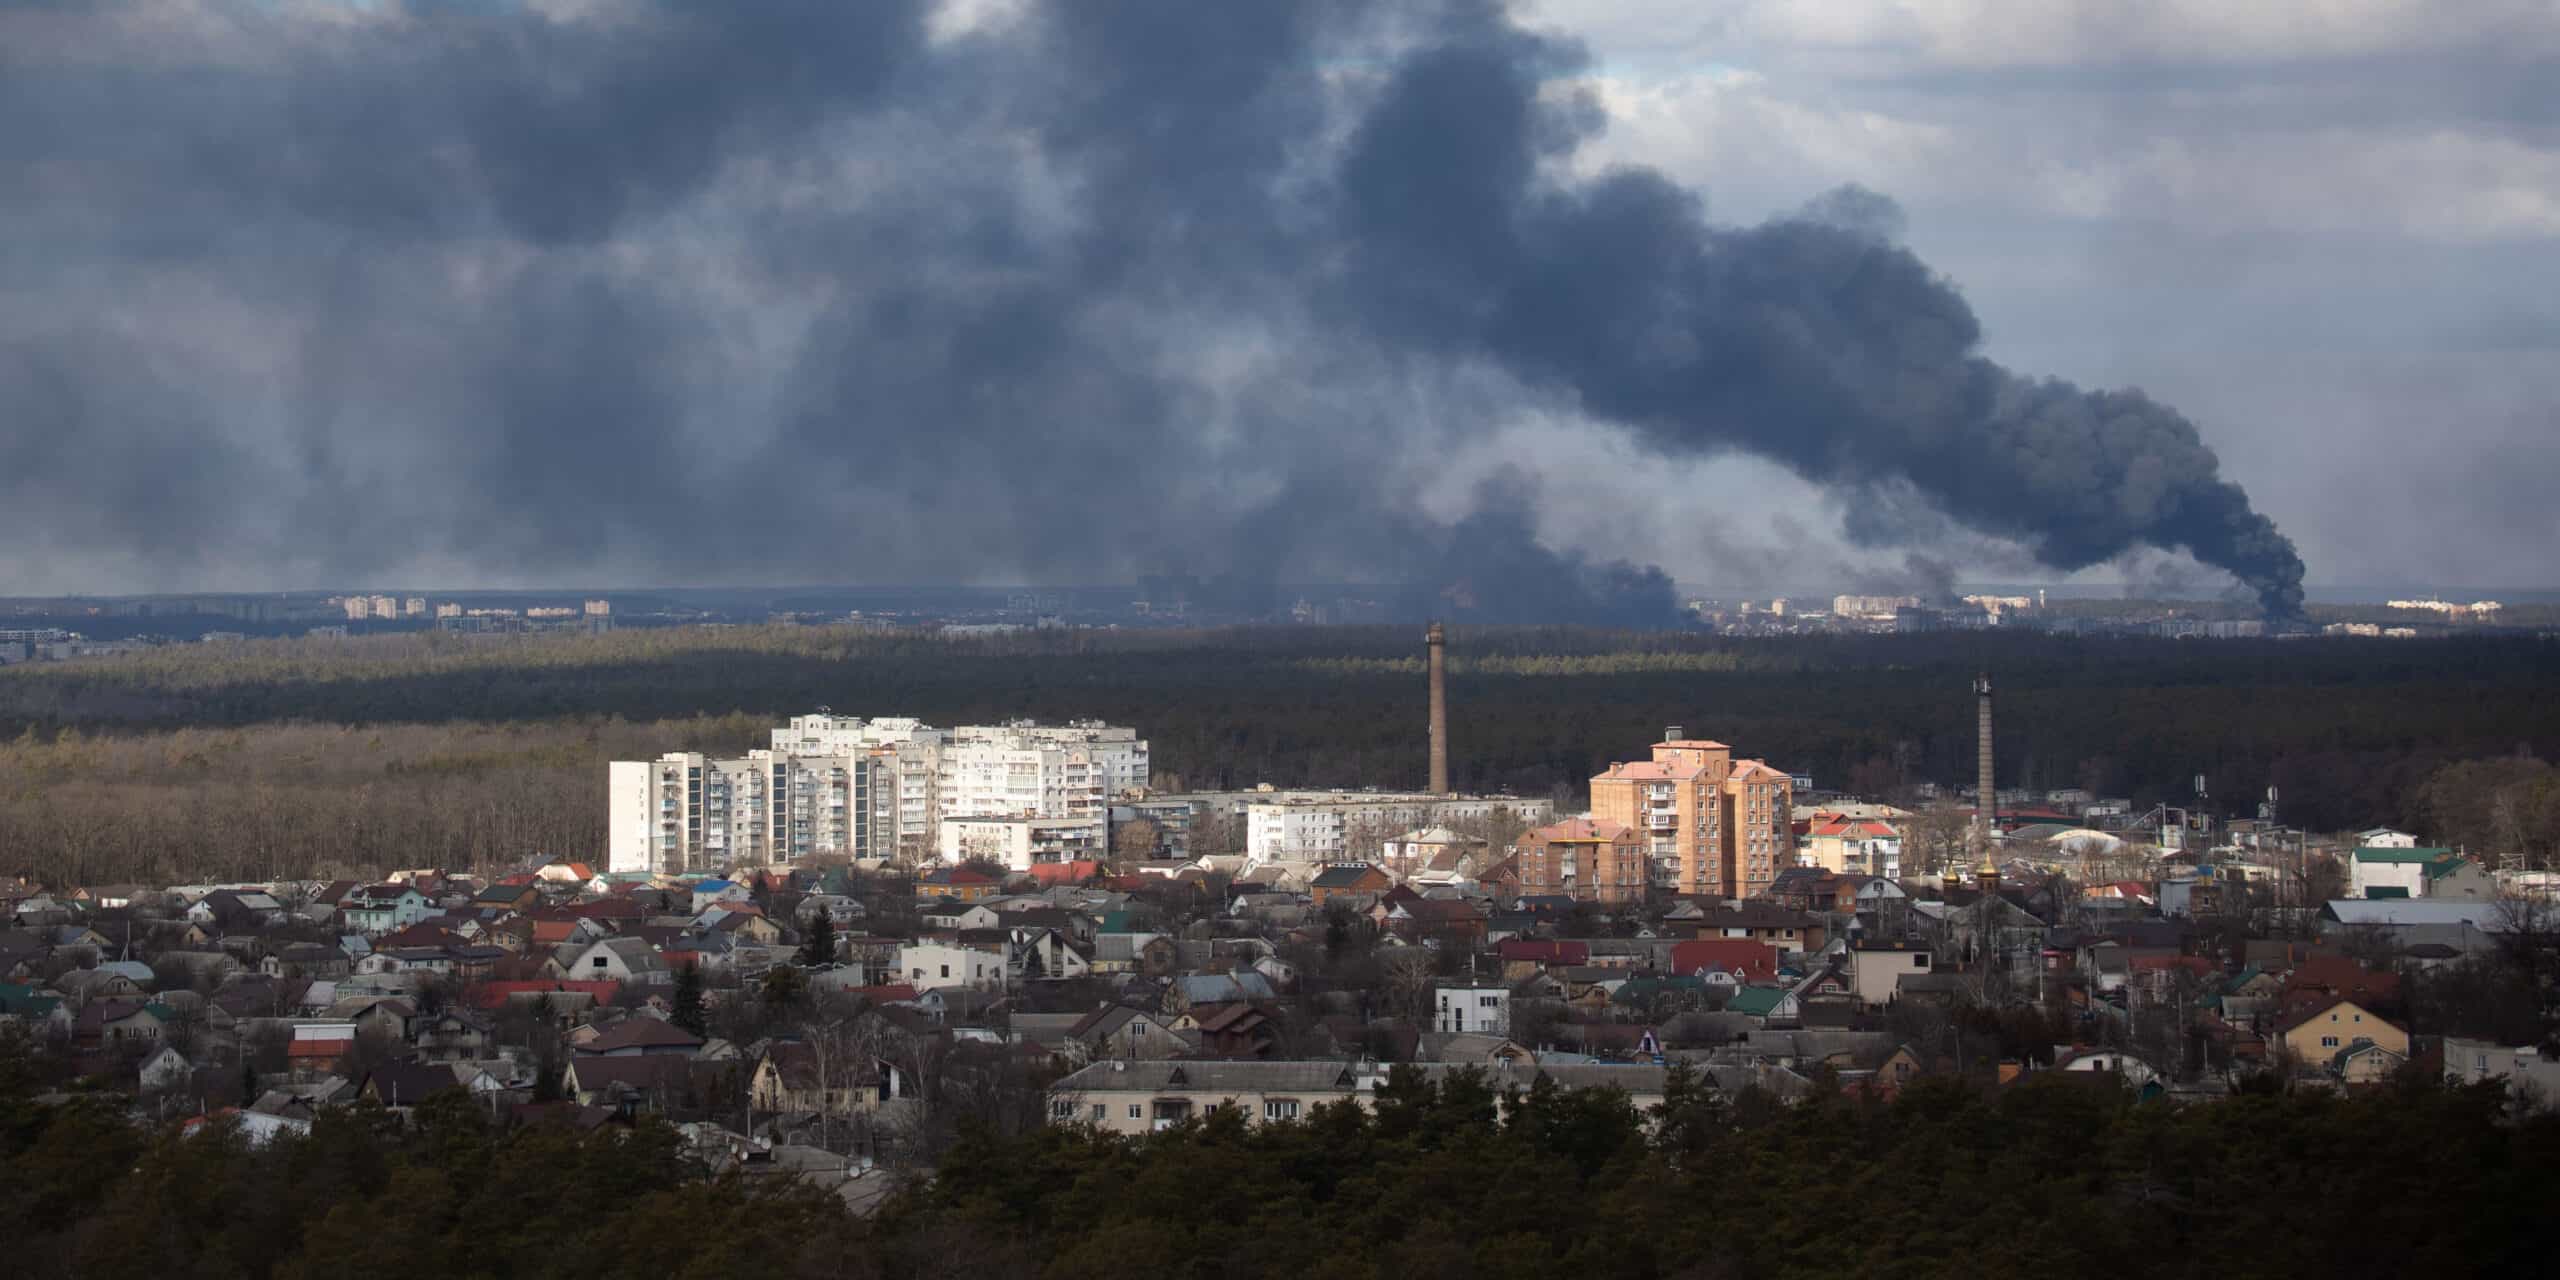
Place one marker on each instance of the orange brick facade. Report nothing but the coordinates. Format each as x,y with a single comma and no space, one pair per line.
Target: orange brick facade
1583,859
1709,822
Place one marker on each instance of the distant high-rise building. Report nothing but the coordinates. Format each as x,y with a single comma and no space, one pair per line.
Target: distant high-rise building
448,609
358,608
599,608
414,607
385,607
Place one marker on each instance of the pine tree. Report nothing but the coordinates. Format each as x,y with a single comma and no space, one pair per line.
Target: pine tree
818,949
688,1011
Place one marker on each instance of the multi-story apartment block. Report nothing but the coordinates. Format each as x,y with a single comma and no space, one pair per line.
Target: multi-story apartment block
685,812
1020,843
1026,770
1711,823
860,788
1352,826
1587,859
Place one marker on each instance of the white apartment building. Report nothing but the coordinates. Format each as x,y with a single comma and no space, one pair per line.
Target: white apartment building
1018,843
1032,770
685,812
877,788
1348,826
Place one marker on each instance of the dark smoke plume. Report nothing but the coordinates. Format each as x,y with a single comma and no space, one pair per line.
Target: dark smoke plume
794,290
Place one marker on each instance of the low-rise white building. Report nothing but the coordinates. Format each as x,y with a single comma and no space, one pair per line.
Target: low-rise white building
2530,1077
928,965
1336,826
2394,871
1469,1008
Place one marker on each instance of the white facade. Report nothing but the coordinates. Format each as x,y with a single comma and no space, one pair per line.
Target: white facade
1018,843
1472,1010
1324,826
1045,771
861,788
685,812
927,965
1294,833
2531,1079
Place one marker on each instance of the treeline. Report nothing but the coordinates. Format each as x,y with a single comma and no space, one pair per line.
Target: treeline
86,1193
320,801
2054,1177
2346,729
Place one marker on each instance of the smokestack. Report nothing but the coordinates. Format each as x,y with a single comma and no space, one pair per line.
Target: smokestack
1435,640
1987,808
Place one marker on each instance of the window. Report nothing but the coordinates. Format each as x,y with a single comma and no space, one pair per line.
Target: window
1062,1109
946,971
2328,1042
1136,1112
1099,1111
1280,1109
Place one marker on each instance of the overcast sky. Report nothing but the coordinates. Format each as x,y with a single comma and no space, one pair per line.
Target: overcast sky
308,294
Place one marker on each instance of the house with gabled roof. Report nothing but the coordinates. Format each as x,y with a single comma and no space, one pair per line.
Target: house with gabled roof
1120,1031
644,1082
968,884
103,1024
1746,959
635,1036
2315,1033
795,1077
1348,880
503,896
399,1086
382,908
617,960
237,910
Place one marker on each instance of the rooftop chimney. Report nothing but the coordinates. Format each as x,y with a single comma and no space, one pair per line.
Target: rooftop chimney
1671,734
1435,640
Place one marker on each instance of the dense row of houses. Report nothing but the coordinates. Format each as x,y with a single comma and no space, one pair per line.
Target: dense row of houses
1163,991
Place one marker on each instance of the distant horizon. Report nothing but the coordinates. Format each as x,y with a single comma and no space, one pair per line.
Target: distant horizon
2061,590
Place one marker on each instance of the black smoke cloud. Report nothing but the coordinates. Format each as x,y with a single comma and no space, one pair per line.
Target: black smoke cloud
780,291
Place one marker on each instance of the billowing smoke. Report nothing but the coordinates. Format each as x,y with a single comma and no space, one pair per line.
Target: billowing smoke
814,291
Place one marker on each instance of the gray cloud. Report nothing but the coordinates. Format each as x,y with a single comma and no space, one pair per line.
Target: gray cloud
775,291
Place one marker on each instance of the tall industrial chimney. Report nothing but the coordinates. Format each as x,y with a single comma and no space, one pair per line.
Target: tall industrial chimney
1435,640
1986,808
